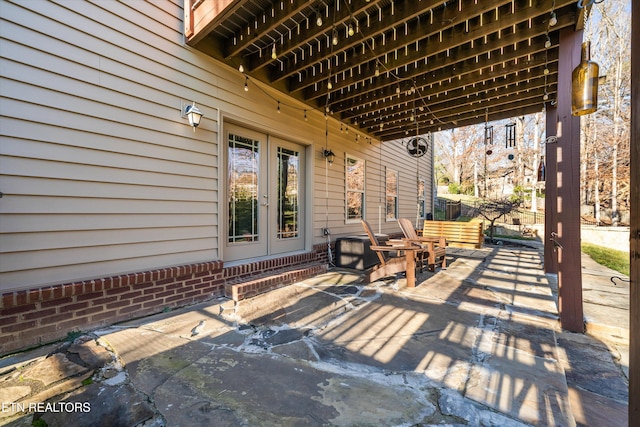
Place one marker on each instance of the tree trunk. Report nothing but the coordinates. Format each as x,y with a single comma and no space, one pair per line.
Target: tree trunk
616,132
536,158
596,186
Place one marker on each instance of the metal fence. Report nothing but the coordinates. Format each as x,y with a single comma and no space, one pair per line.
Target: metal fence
447,210
450,210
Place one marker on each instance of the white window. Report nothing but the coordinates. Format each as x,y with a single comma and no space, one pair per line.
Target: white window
422,198
354,185
392,194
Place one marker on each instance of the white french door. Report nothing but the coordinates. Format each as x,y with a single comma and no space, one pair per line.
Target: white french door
264,194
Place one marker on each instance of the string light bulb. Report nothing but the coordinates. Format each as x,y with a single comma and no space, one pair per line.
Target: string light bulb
246,84
334,38
553,19
274,54
241,68
319,19
350,30
377,72
547,43
278,107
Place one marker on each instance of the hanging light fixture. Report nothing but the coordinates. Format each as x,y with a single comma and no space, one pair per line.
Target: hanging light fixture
584,84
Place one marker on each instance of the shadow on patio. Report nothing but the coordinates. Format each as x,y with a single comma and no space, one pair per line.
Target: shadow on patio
475,344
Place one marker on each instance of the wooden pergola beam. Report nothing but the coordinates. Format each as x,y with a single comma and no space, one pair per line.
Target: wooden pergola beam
568,190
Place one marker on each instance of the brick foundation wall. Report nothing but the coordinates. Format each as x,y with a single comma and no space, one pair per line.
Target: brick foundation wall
37,316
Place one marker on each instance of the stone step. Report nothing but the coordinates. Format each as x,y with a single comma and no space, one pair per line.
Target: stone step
614,334
252,286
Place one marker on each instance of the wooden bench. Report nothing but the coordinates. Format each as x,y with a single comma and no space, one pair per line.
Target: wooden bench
457,234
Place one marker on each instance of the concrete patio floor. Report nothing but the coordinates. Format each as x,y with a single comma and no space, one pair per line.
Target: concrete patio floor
476,344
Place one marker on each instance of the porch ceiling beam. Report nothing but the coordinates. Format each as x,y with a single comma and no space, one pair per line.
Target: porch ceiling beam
457,45
466,71
295,40
515,108
439,107
404,18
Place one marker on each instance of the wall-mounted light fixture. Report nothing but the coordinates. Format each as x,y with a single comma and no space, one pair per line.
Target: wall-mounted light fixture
328,154
194,115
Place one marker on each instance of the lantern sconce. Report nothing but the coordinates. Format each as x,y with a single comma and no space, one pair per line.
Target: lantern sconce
328,154
194,115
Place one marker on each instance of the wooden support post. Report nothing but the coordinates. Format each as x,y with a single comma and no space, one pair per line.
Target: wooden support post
568,189
551,193
634,252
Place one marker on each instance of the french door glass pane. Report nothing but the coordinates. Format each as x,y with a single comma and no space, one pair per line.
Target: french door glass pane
243,172
355,188
288,186
392,194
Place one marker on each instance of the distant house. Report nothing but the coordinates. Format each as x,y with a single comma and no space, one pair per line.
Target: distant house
114,207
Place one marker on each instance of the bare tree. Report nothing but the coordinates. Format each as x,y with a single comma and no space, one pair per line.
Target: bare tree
492,210
456,153
611,38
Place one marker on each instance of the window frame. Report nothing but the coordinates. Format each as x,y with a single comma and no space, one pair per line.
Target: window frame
348,190
388,195
422,198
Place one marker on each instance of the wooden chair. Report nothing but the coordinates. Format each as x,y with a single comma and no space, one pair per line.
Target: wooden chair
434,248
388,265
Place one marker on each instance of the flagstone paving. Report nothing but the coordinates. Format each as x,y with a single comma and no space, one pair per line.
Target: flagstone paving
476,344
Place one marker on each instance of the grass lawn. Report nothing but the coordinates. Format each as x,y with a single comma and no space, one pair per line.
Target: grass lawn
615,260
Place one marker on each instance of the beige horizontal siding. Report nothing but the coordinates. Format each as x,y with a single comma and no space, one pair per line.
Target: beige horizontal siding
100,173
137,258
47,222
377,157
